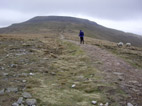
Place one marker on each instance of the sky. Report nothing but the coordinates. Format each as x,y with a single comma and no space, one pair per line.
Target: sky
125,15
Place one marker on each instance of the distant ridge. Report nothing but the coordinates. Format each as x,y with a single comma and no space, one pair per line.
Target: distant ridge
58,18
57,24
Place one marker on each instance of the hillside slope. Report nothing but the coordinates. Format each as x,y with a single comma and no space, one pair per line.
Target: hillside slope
57,24
58,71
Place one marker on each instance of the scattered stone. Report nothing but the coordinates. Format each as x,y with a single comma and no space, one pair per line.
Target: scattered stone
24,74
107,104
101,104
24,88
134,82
53,73
31,74
117,73
118,64
13,65
15,104
25,45
129,104
31,102
20,100
26,95
5,74
80,77
24,81
45,58
1,91
2,68
14,75
11,89
120,78
53,55
73,85
94,102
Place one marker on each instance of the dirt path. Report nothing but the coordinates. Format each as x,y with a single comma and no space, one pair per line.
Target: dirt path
116,70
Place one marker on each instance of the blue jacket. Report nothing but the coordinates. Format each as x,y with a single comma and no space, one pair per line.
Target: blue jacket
81,34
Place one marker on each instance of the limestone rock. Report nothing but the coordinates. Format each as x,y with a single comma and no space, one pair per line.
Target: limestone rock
24,74
13,65
5,74
94,102
2,68
15,104
26,95
53,73
107,104
31,74
129,104
31,102
23,81
73,85
20,100
11,89
2,91
101,104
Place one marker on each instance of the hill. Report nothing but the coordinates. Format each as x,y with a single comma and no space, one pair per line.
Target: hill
43,64
50,70
71,25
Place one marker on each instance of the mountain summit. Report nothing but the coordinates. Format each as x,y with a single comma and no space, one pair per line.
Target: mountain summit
57,24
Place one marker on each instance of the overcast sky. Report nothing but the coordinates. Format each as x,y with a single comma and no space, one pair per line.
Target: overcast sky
124,15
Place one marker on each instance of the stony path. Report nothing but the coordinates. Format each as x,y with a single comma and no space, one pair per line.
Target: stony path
116,70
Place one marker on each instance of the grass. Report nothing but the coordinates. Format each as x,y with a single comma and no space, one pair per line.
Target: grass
56,65
71,67
132,55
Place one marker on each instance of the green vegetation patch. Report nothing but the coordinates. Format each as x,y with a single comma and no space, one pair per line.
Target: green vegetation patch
132,55
72,67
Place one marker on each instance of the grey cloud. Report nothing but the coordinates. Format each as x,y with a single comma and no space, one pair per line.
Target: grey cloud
113,10
110,9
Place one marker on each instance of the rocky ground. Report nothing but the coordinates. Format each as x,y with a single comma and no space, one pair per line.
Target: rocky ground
47,70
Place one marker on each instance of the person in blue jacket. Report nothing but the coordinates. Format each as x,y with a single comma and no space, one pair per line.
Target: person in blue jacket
81,35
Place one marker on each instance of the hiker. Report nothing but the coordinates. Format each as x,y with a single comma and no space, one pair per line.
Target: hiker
81,35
